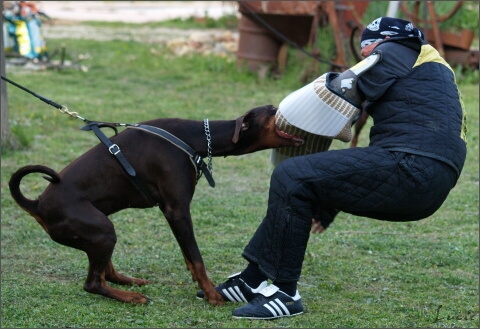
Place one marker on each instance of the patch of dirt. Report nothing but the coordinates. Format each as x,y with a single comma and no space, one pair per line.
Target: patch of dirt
181,42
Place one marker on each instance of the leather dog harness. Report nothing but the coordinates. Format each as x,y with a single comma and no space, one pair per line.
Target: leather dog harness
200,166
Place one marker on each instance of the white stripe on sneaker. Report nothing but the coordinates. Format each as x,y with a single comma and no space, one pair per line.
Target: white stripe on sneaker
271,310
277,308
234,294
240,294
274,305
282,305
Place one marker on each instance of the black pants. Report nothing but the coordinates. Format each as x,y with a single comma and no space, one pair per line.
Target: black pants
368,182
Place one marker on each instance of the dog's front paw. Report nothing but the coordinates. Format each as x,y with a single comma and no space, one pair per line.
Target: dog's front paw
215,298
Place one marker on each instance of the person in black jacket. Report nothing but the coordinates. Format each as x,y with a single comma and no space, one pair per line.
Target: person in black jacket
415,156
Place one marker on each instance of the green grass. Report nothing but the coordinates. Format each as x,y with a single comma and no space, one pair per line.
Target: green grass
359,273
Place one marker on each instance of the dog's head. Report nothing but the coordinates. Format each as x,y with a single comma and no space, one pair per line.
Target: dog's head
256,130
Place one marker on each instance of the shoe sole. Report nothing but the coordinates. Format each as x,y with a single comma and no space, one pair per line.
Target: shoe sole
269,318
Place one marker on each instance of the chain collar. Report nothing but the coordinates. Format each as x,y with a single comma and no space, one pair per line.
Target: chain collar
209,145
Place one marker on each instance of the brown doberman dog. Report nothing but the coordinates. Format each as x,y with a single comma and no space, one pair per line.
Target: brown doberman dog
74,207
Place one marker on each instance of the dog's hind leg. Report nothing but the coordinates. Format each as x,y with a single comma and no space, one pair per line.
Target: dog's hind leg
87,229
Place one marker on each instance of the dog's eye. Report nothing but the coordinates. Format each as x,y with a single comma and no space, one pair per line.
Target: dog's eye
244,126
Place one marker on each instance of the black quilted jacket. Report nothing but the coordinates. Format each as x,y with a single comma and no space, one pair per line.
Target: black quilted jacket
414,101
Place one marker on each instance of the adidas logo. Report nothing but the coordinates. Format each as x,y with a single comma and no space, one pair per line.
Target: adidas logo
277,307
234,294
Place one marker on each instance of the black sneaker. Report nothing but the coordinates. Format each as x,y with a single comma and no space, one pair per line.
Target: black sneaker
236,290
271,303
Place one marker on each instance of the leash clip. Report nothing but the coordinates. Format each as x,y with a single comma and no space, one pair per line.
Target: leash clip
114,149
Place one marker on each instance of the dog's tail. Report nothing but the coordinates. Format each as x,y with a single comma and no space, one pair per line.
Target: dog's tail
31,206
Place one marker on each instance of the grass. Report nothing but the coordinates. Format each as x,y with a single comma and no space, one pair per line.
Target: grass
359,273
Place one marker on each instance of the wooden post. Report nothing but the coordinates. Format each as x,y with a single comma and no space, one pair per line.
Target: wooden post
7,139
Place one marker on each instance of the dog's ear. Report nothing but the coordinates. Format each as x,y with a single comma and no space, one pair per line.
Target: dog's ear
238,127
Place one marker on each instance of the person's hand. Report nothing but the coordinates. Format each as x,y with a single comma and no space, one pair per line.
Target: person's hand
317,226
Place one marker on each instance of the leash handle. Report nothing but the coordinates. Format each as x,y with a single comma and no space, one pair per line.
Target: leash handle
46,100
61,108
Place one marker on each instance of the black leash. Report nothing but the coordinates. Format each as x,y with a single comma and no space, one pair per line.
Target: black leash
114,149
61,108
46,100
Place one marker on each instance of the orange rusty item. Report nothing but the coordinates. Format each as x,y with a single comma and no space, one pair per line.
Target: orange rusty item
462,40
281,7
257,47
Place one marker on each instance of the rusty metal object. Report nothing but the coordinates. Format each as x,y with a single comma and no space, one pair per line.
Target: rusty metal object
350,15
413,15
280,7
465,58
292,19
261,25
298,21
454,47
435,28
257,47
461,40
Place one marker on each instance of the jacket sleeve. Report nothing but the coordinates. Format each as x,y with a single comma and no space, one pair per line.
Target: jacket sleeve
397,61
